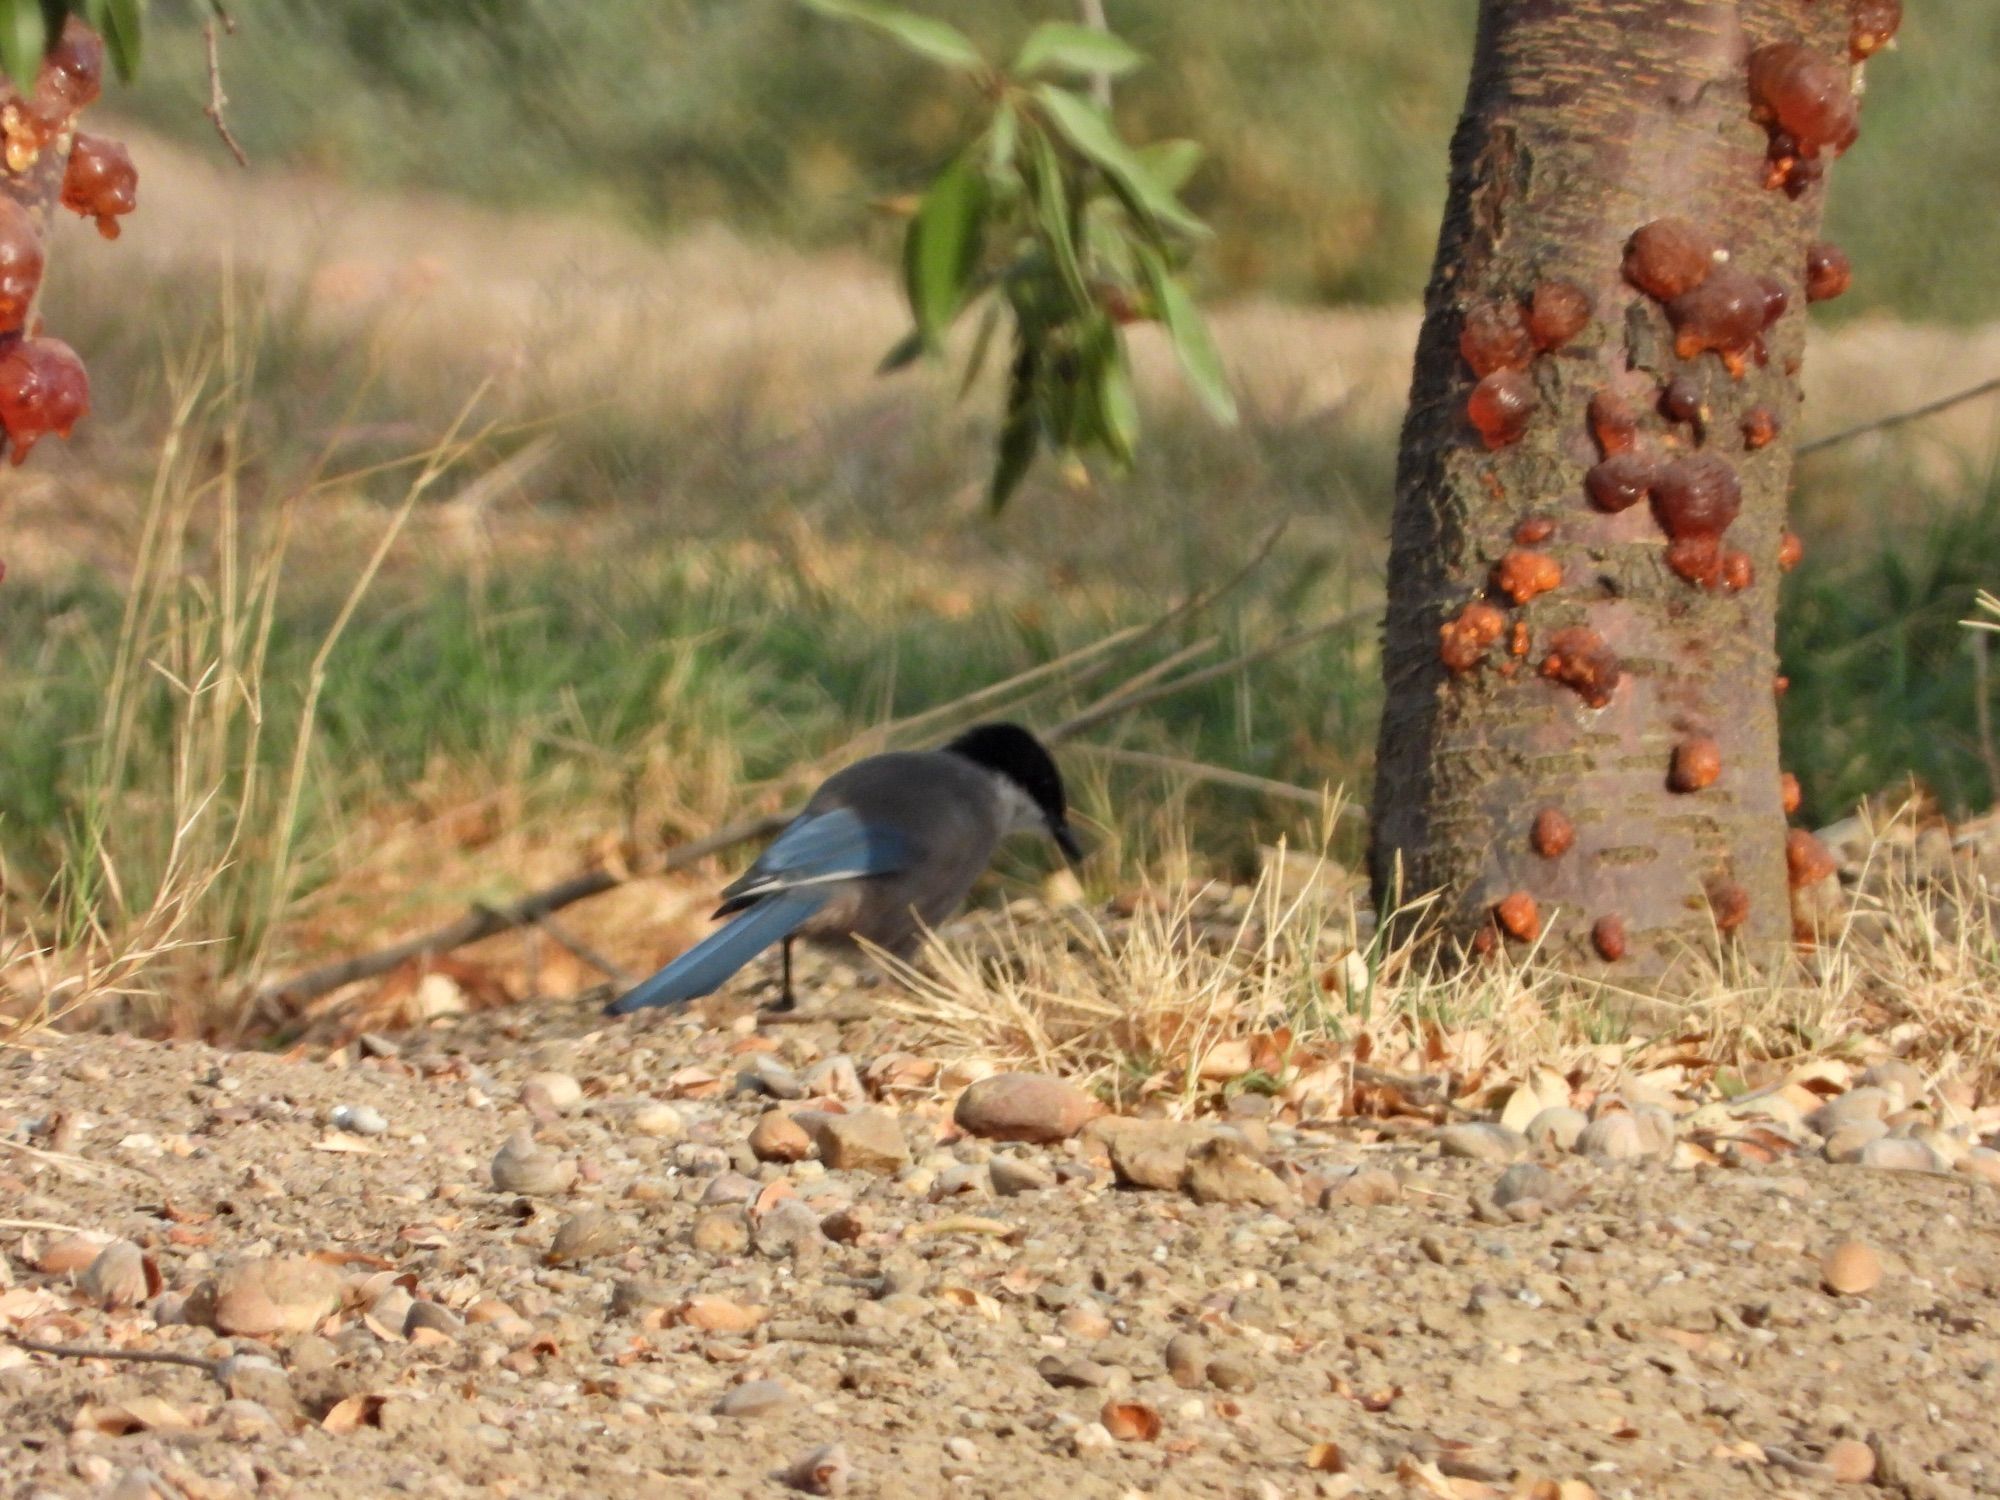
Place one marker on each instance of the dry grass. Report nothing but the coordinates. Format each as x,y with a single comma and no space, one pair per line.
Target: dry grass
1191,991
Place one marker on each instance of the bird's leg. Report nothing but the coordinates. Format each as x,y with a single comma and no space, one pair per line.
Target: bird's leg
786,1000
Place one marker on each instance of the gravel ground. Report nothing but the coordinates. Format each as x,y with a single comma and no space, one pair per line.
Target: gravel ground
534,1254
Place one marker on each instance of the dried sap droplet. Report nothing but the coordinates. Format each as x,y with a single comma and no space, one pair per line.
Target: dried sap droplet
1790,551
1724,315
1462,641
1776,299
1807,860
1557,312
43,389
1534,530
1698,559
1522,574
71,77
100,182
1494,337
1788,793
1500,406
1828,271
1519,917
1759,427
1553,833
1621,481
1612,422
1696,496
1697,764
1607,936
20,264
1737,571
1680,401
74,68
1872,27
1730,905
1669,258
1580,660
1808,96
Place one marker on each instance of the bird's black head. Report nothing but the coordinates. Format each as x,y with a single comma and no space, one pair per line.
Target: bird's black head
1009,750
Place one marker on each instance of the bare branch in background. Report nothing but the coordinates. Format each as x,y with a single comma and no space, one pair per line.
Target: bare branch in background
217,100
1897,419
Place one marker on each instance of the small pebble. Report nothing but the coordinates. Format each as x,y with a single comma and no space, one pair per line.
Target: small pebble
1228,1372
359,1119
778,1137
657,1119
1481,1141
1187,1360
1031,1107
754,1398
1899,1154
1850,1269
551,1093
1850,1461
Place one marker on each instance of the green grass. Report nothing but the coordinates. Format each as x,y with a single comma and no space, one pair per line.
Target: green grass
1327,121
1884,681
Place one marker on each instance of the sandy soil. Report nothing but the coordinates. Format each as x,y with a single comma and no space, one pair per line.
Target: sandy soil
1383,1322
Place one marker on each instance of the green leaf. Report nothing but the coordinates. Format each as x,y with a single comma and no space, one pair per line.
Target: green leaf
937,40
1020,431
1001,138
1059,47
1085,128
121,34
941,250
1189,332
25,35
1057,230
903,353
1172,163
981,342
1117,403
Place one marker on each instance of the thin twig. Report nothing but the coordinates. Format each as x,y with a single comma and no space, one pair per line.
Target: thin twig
1201,770
48,1224
1897,419
208,1367
1090,718
217,100
485,921
564,938
800,1332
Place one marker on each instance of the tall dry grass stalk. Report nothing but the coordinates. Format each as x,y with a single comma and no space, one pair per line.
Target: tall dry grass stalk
184,856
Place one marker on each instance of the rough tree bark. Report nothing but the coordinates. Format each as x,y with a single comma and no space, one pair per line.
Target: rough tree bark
1585,120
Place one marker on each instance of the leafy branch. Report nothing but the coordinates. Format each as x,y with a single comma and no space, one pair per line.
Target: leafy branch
1050,218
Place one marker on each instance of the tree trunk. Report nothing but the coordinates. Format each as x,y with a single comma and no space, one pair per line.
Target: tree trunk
1593,705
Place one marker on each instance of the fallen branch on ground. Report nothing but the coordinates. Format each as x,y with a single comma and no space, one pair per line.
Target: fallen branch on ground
488,921
209,1367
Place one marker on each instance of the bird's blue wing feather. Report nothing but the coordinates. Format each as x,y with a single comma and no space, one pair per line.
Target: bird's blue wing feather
706,966
816,850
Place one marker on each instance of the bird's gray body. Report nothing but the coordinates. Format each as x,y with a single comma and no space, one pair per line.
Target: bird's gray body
951,815
884,851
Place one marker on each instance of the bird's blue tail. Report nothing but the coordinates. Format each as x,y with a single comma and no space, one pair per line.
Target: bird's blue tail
706,966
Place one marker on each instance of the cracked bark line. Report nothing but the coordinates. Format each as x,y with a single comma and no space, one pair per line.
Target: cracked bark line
1585,119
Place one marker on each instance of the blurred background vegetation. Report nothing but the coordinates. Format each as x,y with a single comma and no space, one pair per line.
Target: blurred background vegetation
628,250
1326,121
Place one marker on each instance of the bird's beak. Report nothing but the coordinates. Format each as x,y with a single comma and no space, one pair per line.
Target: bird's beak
1066,841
